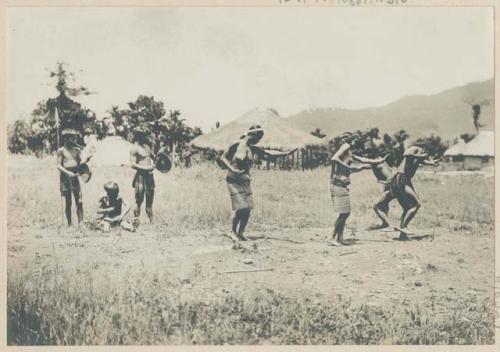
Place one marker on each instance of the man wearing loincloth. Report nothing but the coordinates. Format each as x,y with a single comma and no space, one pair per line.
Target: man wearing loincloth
384,174
68,163
141,160
341,170
400,185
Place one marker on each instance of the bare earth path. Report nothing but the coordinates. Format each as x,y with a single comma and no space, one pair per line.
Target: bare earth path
376,268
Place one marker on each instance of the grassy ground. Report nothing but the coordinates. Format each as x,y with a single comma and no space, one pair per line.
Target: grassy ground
166,283
62,310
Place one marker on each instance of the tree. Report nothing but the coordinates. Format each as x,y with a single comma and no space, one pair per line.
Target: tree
53,115
317,133
433,145
144,111
476,110
18,135
71,114
166,129
360,140
467,137
62,75
368,141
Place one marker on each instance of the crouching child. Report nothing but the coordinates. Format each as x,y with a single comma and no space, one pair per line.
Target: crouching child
112,209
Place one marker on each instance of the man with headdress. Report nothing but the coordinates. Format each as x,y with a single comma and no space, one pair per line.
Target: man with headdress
341,163
141,160
384,173
69,162
401,184
238,159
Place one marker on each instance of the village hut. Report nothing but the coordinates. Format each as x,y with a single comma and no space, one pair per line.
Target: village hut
454,153
111,151
476,154
278,135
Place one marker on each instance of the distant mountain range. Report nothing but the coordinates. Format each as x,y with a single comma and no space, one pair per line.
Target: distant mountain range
444,114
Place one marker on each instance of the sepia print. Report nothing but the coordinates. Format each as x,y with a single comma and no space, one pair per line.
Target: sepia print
250,175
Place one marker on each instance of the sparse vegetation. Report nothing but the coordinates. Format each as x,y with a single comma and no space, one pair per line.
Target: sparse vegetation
80,287
80,309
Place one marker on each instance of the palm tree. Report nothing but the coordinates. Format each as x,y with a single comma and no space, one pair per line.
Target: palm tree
476,111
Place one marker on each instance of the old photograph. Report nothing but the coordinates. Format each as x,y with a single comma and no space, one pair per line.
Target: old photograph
250,175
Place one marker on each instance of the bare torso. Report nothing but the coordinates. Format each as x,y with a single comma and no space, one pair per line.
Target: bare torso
241,156
341,171
382,171
141,155
69,157
409,166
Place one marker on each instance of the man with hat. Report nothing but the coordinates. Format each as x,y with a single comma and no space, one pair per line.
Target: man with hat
69,162
384,173
141,160
401,184
112,209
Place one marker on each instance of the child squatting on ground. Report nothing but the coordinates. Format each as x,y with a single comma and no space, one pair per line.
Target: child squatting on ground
112,209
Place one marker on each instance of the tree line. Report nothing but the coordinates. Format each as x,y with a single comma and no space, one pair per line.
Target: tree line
373,140
40,134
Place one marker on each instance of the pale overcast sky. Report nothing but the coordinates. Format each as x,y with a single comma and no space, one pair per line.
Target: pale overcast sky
217,63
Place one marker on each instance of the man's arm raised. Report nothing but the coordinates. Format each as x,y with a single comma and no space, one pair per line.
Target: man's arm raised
368,160
358,168
268,154
431,162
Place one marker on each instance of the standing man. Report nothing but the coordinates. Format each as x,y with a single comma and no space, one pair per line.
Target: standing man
383,173
141,160
401,184
68,163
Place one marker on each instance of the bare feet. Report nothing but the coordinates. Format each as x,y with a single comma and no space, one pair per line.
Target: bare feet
403,233
135,223
378,227
234,237
334,243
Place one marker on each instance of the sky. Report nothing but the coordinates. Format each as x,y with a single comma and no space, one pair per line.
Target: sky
215,64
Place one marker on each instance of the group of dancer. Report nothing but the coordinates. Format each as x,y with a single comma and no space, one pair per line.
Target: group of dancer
397,183
238,159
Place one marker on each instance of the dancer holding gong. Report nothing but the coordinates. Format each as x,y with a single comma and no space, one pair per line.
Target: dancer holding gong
71,165
238,159
141,160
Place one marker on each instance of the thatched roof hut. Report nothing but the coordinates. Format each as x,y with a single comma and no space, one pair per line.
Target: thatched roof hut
278,135
456,149
478,153
481,146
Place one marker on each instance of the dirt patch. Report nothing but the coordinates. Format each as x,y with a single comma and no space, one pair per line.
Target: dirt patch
374,268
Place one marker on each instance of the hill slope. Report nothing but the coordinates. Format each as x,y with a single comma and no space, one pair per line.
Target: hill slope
444,114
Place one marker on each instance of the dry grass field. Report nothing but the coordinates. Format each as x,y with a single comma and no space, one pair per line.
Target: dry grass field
168,283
